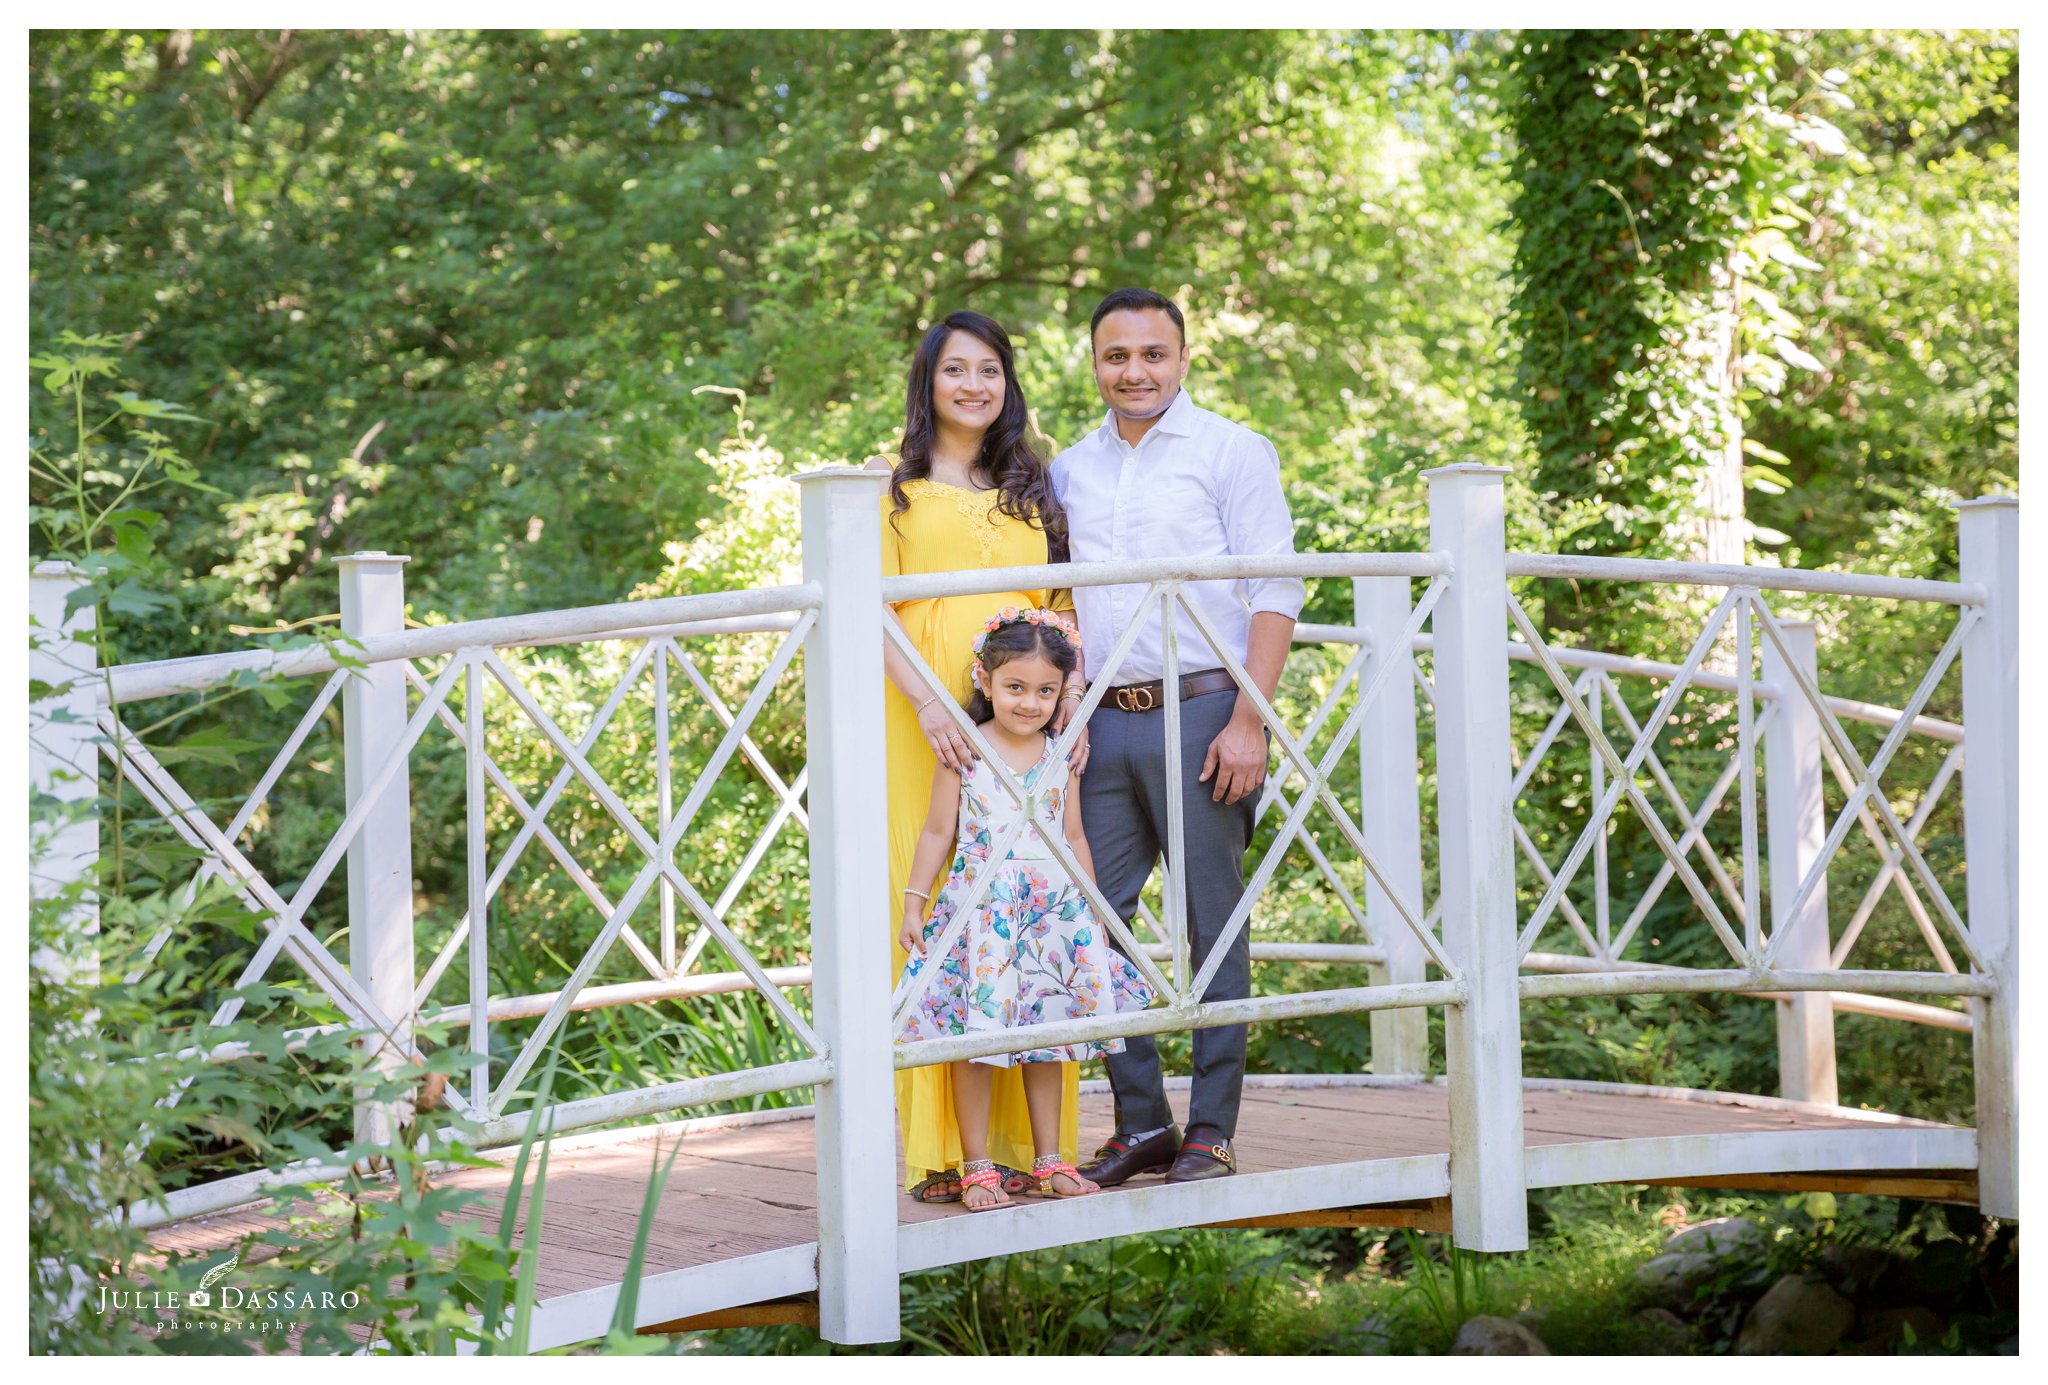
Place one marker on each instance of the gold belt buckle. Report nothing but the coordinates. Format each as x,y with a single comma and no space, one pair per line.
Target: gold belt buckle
1135,699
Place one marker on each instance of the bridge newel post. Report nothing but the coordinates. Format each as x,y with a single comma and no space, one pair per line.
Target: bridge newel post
1390,817
373,717
64,761
1795,817
1988,544
64,849
849,850
1475,825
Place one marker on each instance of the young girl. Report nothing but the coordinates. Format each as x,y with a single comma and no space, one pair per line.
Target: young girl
1031,951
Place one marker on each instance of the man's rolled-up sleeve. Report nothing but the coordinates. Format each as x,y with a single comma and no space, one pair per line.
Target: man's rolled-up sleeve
1256,519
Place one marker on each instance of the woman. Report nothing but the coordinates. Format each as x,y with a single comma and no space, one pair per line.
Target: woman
966,490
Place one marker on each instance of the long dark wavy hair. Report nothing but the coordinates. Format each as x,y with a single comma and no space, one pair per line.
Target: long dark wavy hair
1023,484
1015,641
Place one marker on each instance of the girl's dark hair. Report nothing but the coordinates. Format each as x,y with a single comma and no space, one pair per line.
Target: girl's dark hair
1023,484
1020,640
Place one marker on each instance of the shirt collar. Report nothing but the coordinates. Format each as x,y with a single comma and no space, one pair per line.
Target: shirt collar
1178,420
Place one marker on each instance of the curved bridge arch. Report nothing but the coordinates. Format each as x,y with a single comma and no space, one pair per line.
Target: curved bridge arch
1478,936
738,1228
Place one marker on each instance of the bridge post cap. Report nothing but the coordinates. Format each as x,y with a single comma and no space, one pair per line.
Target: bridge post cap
2004,500
1466,469
838,473
374,555
56,567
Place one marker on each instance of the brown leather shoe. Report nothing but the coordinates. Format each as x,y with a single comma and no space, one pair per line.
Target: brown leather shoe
1200,1159
1123,1158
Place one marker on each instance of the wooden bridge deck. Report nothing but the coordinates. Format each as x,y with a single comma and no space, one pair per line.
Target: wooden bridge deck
738,1221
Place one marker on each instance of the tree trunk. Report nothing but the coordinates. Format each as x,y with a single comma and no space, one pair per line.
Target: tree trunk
1716,521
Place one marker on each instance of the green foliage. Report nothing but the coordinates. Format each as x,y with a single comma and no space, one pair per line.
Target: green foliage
130,990
452,293
409,1259
1915,303
134,999
1172,1292
1653,169
124,1105
1461,1287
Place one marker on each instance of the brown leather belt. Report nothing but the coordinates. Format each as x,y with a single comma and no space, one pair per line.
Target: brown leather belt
1147,697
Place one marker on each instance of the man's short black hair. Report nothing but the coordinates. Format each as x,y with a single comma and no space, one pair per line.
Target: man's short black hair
1140,300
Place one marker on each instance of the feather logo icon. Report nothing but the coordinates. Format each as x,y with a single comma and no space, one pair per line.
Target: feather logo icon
200,1298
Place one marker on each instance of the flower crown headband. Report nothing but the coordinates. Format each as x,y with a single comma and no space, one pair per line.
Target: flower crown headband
1019,615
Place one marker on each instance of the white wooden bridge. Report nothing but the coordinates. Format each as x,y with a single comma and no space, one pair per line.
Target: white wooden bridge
806,1201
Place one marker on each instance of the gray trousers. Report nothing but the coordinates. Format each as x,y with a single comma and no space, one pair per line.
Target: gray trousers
1123,811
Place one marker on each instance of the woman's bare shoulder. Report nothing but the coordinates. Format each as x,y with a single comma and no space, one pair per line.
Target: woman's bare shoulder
881,463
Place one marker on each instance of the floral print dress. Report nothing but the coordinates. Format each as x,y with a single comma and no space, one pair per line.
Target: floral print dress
1032,951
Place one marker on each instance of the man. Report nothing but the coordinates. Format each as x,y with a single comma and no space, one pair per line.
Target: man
1162,478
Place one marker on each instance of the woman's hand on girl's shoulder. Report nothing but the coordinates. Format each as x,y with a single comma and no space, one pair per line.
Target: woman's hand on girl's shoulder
954,751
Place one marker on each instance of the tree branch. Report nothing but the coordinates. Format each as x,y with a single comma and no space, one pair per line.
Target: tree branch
1066,120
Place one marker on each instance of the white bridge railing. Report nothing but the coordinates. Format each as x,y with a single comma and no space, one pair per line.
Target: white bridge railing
1760,888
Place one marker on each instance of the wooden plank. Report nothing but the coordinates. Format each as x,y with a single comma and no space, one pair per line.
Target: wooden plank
748,1195
1708,1112
1598,1125
759,1278
1573,1115
801,1313
1695,1097
1962,1189
1433,1215
1425,1125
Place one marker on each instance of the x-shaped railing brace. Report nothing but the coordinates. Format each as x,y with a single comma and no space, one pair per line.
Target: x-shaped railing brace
1624,772
789,802
1317,775
282,919
660,852
1891,870
212,866
1276,783
1864,792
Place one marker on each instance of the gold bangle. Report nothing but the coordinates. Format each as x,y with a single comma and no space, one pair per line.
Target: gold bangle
924,704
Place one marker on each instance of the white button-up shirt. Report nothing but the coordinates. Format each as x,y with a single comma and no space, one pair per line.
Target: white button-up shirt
1195,486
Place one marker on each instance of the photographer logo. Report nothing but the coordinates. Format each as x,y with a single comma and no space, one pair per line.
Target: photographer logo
201,1297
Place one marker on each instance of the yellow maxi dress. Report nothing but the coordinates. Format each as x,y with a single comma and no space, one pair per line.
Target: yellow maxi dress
945,529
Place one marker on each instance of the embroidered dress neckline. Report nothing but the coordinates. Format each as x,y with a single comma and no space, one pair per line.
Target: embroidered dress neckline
948,485
980,511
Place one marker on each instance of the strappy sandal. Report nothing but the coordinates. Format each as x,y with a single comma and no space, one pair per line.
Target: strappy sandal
1047,1167
940,1187
981,1173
